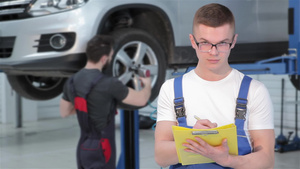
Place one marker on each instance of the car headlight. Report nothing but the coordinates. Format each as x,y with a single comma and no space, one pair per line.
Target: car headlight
46,7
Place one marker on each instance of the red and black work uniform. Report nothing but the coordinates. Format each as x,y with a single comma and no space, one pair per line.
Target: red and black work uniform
95,97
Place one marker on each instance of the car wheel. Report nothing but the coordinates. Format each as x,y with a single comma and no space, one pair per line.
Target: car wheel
36,88
136,49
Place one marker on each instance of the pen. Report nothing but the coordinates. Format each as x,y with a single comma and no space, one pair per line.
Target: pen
196,117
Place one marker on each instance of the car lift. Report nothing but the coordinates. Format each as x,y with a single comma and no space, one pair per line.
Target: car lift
287,64
129,126
284,144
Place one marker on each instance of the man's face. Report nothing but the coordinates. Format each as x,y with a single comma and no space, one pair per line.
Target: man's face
213,59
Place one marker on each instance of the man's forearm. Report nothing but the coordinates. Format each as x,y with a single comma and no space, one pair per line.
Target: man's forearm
66,114
259,160
165,153
262,156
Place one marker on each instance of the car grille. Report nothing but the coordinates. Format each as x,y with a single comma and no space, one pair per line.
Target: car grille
14,9
6,46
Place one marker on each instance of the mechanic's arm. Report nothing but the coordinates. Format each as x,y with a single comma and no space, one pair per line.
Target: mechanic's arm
165,149
139,98
262,157
66,108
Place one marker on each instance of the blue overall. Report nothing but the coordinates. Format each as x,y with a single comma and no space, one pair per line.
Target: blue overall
240,117
95,150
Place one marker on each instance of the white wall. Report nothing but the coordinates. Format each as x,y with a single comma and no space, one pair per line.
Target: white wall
49,108
8,106
273,83
2,97
7,101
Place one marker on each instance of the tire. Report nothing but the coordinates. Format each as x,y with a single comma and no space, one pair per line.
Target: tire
36,88
127,60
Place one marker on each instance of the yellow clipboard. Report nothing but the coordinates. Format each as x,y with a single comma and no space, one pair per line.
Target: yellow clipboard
213,137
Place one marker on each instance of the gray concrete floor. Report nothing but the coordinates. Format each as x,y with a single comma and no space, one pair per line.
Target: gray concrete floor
50,144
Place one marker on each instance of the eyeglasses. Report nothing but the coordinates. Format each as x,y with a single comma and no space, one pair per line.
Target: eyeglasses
207,47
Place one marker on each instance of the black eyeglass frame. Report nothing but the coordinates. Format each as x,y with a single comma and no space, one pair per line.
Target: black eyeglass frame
214,45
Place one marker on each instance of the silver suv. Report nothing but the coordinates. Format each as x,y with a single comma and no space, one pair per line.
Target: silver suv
42,42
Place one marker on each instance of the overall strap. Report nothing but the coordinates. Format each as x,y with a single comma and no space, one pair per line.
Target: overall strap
94,82
179,102
240,117
80,103
241,101
71,84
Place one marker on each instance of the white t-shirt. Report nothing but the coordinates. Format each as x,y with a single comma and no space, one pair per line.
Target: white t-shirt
216,101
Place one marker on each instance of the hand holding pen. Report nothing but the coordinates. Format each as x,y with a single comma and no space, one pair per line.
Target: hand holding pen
203,123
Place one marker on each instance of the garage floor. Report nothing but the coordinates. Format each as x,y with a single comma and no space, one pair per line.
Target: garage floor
50,144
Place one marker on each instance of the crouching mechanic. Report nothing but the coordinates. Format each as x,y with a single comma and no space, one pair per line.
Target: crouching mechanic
211,92
94,97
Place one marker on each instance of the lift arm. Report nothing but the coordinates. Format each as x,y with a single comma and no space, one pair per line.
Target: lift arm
287,64
277,65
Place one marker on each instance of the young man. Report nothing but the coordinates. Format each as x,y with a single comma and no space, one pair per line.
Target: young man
94,96
210,92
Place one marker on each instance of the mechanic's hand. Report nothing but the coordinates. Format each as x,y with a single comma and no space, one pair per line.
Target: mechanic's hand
146,81
204,124
220,154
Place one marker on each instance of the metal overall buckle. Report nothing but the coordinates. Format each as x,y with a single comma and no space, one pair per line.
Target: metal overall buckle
241,109
179,107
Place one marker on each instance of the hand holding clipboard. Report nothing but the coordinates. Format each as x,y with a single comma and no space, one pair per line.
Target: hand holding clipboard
212,136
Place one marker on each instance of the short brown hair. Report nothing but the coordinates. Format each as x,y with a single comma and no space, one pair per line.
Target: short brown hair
213,15
99,46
